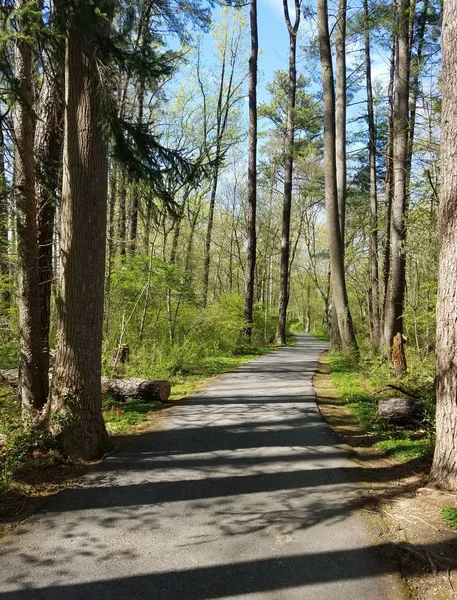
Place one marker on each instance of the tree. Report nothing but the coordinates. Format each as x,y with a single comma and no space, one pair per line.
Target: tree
252,174
373,251
340,298
395,296
48,159
33,377
76,384
229,48
288,171
444,468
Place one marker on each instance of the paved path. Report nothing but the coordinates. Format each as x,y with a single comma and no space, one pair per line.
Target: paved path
242,493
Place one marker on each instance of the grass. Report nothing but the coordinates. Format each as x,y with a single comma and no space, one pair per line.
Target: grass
449,516
360,384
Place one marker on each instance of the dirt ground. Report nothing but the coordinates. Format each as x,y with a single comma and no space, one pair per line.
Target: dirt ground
402,514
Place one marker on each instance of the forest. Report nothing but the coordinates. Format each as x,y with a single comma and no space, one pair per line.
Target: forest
154,200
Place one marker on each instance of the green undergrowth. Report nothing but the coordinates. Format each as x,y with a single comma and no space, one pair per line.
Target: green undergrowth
361,382
449,516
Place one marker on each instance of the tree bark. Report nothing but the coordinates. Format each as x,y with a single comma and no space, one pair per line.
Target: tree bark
137,388
340,105
340,299
48,160
252,179
388,189
76,398
444,468
135,187
374,270
393,317
4,261
288,172
33,377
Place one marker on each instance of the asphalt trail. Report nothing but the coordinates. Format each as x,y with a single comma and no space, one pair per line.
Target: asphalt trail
241,493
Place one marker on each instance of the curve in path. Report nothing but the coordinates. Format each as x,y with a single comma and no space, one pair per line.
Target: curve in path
242,493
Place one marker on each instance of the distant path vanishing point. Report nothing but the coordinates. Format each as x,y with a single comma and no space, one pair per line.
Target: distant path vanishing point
241,493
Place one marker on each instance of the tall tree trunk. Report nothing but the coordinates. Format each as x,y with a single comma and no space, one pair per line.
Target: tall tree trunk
110,248
48,160
393,318
388,191
76,389
444,468
33,377
135,187
416,69
4,262
288,172
340,105
252,178
374,270
340,144
122,221
340,299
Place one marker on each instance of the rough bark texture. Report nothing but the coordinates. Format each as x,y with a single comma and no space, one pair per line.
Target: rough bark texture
288,173
340,299
4,262
136,188
252,176
340,114
444,467
374,270
401,411
393,314
398,361
76,386
48,158
33,377
388,181
137,388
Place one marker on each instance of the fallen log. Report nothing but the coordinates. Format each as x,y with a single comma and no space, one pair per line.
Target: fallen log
401,411
9,377
120,388
137,388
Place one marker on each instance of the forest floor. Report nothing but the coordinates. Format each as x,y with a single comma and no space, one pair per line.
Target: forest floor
403,513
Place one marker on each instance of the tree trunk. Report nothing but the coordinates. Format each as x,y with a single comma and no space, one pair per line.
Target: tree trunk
416,69
393,317
389,172
288,172
135,187
48,157
340,105
444,467
252,179
340,299
33,377
374,271
76,385
122,221
4,261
